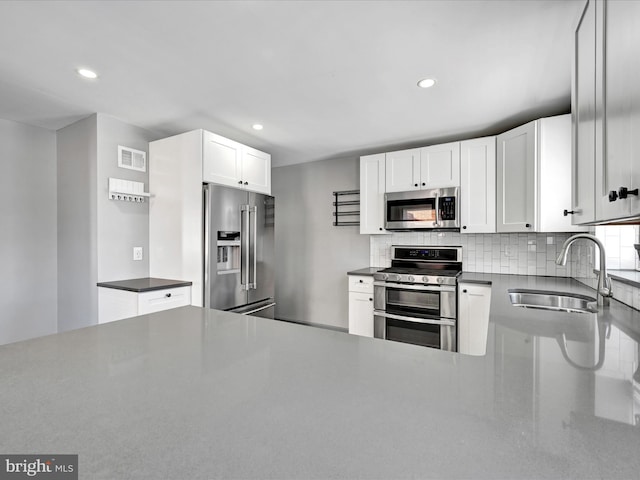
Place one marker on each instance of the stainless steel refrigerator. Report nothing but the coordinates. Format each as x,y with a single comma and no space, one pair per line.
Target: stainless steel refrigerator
238,246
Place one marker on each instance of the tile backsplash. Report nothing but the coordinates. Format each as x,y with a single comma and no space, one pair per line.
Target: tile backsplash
512,253
618,242
523,254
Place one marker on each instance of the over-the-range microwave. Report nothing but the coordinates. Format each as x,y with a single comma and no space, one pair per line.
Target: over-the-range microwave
432,209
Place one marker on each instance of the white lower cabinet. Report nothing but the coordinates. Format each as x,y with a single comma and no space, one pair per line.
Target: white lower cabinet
361,305
474,301
114,304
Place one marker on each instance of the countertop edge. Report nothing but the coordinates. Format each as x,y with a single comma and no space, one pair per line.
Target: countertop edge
163,285
368,271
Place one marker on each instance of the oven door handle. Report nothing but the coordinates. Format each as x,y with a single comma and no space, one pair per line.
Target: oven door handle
424,288
445,322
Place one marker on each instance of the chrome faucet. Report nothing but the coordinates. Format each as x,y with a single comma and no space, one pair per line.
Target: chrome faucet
604,282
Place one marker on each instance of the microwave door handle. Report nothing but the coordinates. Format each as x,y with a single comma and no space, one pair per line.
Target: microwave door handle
437,211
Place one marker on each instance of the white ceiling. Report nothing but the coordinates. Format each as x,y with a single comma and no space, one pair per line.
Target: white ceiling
326,78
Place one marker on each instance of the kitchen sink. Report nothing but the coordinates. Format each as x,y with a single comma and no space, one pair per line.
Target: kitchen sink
550,300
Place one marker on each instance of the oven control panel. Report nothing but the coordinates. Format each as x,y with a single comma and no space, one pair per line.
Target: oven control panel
451,254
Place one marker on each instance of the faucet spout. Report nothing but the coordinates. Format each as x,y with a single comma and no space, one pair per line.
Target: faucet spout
604,282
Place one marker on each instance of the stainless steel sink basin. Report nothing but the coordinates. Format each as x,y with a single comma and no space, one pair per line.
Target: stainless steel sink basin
549,300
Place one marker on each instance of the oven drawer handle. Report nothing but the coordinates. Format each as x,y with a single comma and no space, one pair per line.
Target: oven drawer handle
424,288
432,321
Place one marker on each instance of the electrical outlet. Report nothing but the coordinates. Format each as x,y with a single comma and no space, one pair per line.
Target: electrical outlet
137,253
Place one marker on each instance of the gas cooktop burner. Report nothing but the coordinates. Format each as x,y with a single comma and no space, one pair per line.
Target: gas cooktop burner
423,265
422,271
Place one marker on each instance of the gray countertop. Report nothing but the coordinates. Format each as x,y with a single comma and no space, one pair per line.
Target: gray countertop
369,271
147,284
195,393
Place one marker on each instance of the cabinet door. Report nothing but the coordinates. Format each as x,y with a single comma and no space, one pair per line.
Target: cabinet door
583,106
402,170
440,166
474,303
372,185
554,175
622,108
221,160
361,314
478,185
516,179
256,170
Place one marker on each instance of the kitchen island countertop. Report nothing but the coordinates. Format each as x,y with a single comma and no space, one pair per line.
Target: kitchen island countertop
195,393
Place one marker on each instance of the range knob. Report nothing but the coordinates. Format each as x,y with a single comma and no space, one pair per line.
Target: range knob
425,279
410,278
384,276
439,279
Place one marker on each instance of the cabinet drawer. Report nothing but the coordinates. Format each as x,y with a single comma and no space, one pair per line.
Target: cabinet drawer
157,300
361,283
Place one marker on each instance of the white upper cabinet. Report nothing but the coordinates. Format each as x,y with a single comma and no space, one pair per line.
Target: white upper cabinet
516,179
403,170
619,166
421,168
554,175
606,106
230,163
478,185
534,177
221,160
583,106
372,185
256,170
440,166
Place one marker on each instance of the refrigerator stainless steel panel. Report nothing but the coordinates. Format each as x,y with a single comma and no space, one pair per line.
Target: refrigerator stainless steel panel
223,216
261,265
239,251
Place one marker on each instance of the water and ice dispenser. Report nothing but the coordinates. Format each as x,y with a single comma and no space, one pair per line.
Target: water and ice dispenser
228,252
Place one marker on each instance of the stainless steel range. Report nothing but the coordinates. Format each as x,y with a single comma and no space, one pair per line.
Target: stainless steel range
415,301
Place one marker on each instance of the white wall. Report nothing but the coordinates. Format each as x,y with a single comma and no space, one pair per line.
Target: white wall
313,256
28,282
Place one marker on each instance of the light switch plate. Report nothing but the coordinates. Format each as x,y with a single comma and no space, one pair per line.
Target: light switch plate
137,253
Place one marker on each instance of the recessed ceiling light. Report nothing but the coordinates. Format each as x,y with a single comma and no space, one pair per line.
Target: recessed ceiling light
257,126
86,73
427,82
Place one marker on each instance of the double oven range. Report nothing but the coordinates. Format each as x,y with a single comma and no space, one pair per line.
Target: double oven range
416,300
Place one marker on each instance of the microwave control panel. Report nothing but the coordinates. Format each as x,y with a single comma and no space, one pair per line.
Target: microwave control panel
448,208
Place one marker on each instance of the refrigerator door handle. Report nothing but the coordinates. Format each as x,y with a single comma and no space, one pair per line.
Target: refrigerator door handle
244,253
254,284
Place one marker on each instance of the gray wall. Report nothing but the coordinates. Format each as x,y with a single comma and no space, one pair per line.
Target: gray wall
121,225
96,235
313,256
77,220
28,283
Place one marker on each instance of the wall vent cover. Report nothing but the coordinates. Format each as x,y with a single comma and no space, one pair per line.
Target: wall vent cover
132,159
